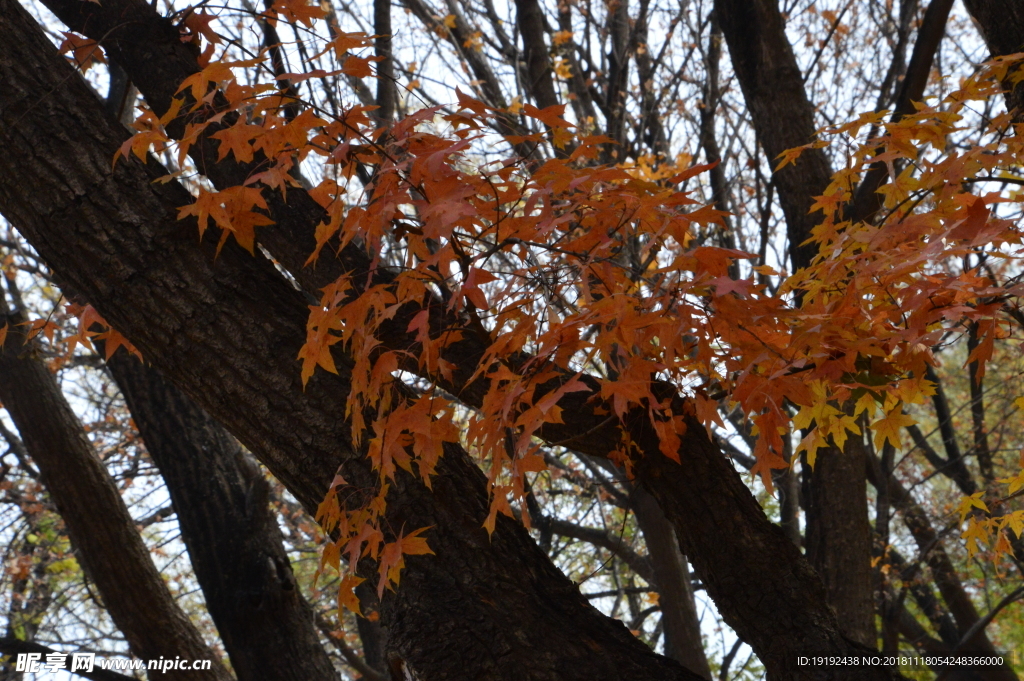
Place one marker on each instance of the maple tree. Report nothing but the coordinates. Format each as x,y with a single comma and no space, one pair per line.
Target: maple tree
421,338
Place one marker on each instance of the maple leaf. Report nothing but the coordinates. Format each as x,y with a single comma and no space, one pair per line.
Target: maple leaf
791,155
1015,521
299,11
471,287
715,261
46,326
888,428
342,42
550,116
347,598
976,533
692,171
238,140
392,558
670,432
971,502
811,443
84,52
232,210
968,227
115,341
198,23
357,67
707,412
499,504
140,143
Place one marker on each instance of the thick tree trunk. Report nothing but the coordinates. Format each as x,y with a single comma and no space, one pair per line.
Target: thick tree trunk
537,75
227,331
783,117
234,542
839,536
838,533
1001,23
102,531
717,520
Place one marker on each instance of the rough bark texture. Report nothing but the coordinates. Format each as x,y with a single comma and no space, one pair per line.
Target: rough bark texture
222,502
717,520
102,531
781,616
227,332
387,91
1001,23
838,529
782,115
867,201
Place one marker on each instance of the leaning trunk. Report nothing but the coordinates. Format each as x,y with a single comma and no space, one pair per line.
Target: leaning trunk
234,543
102,531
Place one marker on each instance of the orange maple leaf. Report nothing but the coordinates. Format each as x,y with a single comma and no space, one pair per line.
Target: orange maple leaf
393,557
84,52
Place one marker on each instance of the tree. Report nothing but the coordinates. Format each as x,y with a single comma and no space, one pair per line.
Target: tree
567,303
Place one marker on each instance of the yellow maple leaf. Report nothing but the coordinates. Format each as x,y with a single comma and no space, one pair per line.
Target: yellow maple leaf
969,502
888,428
1015,521
976,532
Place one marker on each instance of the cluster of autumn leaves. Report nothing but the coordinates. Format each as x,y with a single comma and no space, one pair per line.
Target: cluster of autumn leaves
570,273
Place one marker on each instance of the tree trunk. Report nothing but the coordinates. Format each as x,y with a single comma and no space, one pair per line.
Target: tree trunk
387,90
839,536
944,574
783,117
233,539
838,532
675,594
1001,23
226,330
537,75
102,531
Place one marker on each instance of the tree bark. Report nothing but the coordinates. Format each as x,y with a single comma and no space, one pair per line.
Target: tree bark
683,640
1001,24
226,330
783,117
838,534
538,75
387,91
222,502
866,200
107,543
721,527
